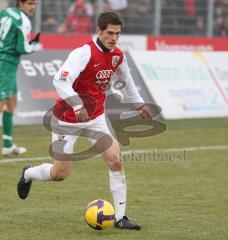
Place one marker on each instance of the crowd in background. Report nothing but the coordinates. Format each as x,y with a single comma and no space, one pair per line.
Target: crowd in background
178,17
80,15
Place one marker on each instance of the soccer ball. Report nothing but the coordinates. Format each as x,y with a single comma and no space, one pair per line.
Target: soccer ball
99,214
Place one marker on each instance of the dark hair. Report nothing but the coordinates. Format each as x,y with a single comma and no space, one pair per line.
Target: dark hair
109,18
22,1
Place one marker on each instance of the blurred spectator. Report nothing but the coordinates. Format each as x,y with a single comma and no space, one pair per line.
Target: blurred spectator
79,18
223,31
200,28
87,7
3,4
106,6
202,8
118,5
184,17
141,20
189,21
171,12
190,7
221,15
53,14
201,16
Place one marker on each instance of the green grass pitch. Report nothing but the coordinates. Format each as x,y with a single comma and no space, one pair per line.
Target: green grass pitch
182,198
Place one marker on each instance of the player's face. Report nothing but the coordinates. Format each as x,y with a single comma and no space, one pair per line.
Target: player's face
28,7
110,36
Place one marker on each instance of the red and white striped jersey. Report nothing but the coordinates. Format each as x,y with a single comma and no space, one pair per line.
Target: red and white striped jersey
85,76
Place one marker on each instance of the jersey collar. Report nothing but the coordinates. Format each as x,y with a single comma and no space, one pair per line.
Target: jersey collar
100,45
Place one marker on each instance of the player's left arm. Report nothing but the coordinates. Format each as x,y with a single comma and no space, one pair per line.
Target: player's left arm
24,46
131,91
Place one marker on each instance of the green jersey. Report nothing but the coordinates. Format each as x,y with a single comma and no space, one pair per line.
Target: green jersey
15,30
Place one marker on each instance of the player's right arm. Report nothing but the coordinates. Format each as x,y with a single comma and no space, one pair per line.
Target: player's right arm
68,74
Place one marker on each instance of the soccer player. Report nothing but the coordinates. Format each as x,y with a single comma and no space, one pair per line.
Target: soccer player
80,85
15,29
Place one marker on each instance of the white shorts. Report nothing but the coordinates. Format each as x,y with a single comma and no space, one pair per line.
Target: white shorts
64,134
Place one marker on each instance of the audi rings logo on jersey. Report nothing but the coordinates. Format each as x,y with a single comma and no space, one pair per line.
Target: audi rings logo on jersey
104,74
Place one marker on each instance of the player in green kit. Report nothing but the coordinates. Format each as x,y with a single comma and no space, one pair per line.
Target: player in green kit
15,29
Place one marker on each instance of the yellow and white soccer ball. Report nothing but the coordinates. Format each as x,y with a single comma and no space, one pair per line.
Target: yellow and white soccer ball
99,214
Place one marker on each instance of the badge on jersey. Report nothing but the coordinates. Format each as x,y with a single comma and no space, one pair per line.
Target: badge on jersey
115,60
63,75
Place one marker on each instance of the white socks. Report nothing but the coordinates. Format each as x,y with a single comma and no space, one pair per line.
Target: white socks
118,188
40,173
118,185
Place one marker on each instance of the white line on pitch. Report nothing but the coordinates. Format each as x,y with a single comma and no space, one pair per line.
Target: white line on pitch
8,160
187,149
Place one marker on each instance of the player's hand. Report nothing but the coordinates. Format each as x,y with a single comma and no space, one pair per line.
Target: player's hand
145,112
36,39
82,115
37,47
